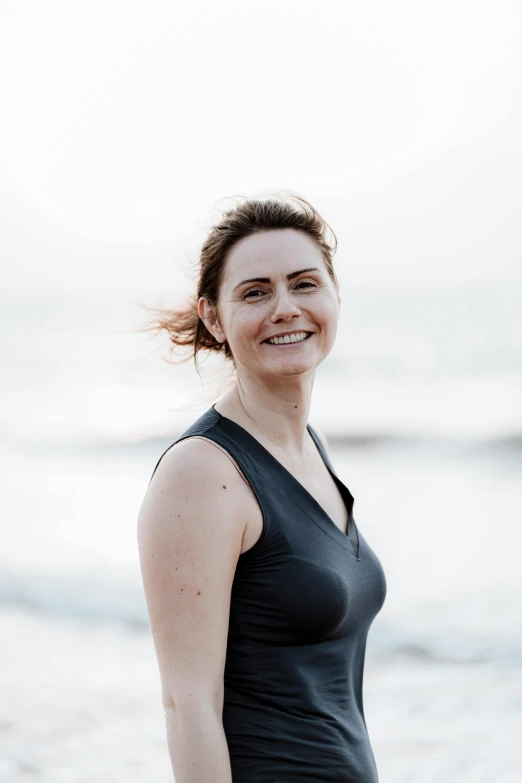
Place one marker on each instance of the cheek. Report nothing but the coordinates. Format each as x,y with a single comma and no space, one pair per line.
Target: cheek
327,320
326,316
245,325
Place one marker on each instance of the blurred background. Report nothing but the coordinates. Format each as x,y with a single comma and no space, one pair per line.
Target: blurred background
126,126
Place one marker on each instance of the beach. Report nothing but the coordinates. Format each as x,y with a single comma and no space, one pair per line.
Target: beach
431,451
81,702
80,689
125,157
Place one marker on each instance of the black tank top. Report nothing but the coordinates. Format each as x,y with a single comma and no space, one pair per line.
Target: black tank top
303,599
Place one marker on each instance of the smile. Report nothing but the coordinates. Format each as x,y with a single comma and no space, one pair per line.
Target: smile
292,339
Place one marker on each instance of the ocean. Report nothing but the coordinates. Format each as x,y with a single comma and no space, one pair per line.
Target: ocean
421,402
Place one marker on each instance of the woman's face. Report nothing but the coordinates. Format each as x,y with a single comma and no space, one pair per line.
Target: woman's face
276,283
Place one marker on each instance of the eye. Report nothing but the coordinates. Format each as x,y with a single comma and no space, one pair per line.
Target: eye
252,291
251,294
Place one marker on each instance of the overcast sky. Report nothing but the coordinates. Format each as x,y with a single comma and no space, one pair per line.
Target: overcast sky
125,122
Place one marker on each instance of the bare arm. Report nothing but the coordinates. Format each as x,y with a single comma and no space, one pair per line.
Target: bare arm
190,531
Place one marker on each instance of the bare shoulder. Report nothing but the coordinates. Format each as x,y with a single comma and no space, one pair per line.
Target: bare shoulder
190,530
195,472
196,451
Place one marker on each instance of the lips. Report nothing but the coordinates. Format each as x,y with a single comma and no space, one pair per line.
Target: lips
293,342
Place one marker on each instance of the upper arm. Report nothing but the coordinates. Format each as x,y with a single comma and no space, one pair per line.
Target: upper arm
190,529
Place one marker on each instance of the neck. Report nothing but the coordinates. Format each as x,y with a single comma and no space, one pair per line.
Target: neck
280,419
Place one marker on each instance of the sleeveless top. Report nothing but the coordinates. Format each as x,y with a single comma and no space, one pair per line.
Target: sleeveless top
302,602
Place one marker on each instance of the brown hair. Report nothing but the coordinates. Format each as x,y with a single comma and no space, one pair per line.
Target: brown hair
250,216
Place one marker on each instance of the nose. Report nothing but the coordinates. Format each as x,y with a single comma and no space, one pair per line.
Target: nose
284,307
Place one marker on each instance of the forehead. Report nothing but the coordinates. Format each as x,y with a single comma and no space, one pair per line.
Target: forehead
270,252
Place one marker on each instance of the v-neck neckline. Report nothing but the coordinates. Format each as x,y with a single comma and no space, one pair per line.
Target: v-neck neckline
327,523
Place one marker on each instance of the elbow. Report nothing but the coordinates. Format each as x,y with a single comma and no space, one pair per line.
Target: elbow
192,707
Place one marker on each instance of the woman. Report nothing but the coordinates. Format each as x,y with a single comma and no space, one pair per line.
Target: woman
260,589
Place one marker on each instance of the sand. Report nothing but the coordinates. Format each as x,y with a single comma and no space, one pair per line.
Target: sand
81,703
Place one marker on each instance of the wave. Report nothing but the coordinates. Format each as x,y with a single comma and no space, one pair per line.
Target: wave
83,597
508,441
505,448
86,599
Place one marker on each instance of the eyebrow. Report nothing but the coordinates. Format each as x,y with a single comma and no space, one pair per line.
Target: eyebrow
267,279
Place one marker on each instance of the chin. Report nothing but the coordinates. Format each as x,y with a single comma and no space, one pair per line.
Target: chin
291,368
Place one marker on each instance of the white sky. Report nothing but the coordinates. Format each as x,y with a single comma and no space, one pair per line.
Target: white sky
401,121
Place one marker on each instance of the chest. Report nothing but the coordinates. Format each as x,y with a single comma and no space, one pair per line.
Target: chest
320,484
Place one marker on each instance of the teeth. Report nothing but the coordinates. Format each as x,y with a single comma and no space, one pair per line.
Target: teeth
289,338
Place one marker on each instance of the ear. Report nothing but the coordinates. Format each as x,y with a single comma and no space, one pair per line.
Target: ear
209,316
